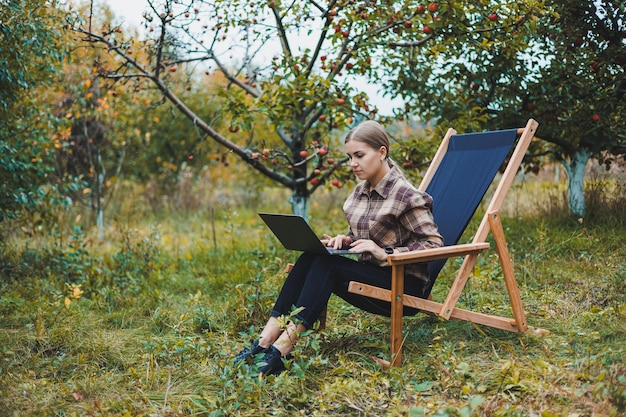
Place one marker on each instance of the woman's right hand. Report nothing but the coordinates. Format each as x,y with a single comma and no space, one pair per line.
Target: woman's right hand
337,242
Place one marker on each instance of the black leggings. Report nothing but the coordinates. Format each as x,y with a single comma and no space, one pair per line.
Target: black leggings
314,278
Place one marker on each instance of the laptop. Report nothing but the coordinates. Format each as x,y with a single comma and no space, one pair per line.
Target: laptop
295,234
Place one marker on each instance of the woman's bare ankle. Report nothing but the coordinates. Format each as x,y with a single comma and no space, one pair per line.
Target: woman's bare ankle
264,342
284,347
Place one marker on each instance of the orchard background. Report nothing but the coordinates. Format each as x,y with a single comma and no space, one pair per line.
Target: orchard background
134,160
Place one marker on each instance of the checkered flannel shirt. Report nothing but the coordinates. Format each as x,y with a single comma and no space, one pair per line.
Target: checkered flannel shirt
393,215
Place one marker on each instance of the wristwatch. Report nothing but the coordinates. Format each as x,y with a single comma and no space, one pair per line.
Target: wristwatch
388,251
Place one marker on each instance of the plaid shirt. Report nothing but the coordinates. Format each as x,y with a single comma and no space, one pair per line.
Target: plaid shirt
393,215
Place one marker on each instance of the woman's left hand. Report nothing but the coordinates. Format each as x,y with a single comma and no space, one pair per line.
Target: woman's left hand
366,245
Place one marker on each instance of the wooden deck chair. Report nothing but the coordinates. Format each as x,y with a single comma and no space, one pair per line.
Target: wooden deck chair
458,178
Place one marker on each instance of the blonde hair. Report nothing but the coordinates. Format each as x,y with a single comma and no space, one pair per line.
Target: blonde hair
373,134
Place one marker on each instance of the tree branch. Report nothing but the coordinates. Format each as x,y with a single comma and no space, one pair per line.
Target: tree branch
282,33
244,153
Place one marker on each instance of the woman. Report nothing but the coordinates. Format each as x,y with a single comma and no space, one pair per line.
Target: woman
386,214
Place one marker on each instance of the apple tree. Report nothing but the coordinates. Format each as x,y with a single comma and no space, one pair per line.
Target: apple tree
88,155
493,66
289,67
579,96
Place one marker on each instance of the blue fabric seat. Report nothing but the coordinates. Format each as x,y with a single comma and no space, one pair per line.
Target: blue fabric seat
461,181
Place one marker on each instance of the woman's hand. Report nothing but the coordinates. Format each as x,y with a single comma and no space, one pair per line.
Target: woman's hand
337,242
365,245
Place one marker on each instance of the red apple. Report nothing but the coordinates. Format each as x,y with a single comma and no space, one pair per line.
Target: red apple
595,66
427,30
421,9
314,181
322,117
595,117
493,17
341,101
323,151
432,7
304,153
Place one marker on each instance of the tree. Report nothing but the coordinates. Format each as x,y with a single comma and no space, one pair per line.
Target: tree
563,66
579,96
29,56
87,157
289,66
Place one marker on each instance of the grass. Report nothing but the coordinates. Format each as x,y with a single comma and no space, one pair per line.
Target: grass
147,322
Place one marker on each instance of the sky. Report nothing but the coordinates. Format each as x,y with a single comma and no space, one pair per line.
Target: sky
130,12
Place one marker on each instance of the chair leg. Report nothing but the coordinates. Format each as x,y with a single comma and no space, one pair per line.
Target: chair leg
397,307
507,270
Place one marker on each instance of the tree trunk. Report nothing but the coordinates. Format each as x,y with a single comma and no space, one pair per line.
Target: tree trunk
100,222
299,204
575,169
99,191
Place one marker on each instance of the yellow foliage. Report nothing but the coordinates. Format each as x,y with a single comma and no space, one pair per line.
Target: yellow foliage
75,292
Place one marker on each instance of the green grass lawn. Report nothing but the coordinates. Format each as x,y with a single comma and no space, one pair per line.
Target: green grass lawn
147,323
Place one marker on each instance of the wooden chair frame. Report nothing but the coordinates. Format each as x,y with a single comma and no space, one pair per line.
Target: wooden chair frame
490,223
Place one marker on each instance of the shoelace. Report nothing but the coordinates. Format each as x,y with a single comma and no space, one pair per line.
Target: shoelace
247,352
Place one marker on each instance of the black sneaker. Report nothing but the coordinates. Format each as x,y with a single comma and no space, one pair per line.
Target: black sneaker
271,363
249,352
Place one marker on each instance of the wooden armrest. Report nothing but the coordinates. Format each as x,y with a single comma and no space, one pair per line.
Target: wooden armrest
426,255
